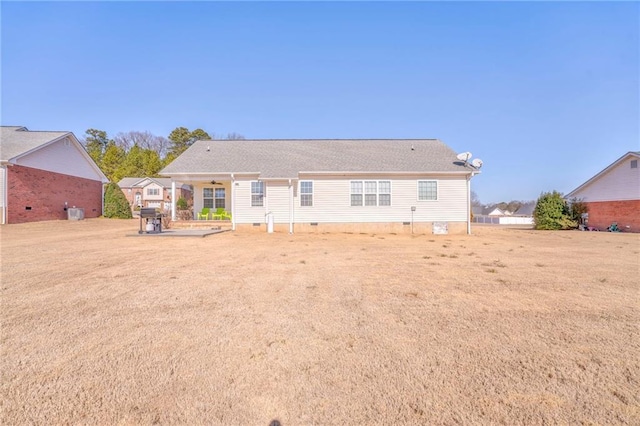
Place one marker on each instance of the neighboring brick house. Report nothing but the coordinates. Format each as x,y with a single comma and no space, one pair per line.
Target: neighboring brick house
152,192
44,173
613,195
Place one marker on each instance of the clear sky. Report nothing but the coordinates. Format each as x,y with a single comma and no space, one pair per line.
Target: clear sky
546,94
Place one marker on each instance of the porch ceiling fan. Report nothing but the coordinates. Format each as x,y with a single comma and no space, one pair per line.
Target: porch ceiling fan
213,182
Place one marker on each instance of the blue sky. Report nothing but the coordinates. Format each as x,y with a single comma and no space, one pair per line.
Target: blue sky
547,94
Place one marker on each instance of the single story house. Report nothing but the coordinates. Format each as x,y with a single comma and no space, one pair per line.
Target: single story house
613,195
152,192
373,185
42,174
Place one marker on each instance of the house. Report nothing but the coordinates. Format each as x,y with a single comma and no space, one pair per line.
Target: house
330,185
42,174
613,195
152,192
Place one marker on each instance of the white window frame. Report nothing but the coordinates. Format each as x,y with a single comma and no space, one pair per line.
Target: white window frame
153,191
260,194
211,198
300,189
418,190
216,199
363,184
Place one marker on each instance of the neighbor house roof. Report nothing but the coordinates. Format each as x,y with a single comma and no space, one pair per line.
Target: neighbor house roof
289,158
630,154
130,182
16,141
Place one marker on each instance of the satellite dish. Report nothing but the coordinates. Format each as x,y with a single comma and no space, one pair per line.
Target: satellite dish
464,156
477,163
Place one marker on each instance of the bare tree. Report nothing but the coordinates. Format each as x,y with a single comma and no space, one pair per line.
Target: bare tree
144,140
233,136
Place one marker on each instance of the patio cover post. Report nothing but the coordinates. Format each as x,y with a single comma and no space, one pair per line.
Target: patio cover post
173,200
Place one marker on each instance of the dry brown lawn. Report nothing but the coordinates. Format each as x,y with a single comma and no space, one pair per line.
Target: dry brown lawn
506,326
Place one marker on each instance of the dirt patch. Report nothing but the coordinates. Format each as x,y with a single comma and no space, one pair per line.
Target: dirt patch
505,326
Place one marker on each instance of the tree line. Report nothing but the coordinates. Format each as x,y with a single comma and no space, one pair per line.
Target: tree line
141,154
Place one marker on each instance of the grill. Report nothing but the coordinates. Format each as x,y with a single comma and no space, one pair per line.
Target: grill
152,221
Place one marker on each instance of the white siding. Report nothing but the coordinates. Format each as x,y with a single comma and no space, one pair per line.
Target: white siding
244,213
277,200
618,184
332,201
155,186
63,156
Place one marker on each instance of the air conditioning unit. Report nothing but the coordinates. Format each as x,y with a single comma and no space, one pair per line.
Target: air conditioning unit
74,213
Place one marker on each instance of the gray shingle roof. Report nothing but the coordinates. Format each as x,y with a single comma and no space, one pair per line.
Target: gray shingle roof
15,140
287,158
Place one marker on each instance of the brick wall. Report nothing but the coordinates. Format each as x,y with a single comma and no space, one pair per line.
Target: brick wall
46,192
604,213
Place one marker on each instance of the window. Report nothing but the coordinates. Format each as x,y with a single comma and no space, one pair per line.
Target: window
257,194
207,197
634,164
306,193
356,193
153,191
384,193
371,193
220,197
427,190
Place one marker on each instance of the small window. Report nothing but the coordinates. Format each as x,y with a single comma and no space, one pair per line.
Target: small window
306,193
257,194
207,197
153,191
427,190
634,164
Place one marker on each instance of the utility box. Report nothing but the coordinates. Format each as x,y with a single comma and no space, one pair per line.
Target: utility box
74,213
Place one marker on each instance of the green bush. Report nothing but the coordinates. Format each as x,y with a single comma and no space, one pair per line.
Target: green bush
552,212
181,203
115,203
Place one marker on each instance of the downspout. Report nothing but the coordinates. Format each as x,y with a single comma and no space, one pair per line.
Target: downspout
173,200
469,203
290,207
5,186
233,203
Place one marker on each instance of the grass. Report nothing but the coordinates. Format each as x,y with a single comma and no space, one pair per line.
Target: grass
101,328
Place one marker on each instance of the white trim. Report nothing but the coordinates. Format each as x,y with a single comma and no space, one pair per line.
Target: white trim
251,193
173,199
418,190
377,193
300,192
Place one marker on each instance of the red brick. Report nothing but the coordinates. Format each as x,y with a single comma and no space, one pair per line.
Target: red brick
625,213
46,192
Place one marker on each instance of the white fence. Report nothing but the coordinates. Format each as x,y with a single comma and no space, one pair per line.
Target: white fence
504,220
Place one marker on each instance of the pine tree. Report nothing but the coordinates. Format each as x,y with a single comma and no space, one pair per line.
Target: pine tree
115,203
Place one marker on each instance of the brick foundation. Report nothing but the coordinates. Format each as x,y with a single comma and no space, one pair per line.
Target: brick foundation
45,194
626,213
378,228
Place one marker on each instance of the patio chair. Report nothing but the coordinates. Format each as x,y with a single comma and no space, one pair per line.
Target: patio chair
226,215
218,214
204,214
